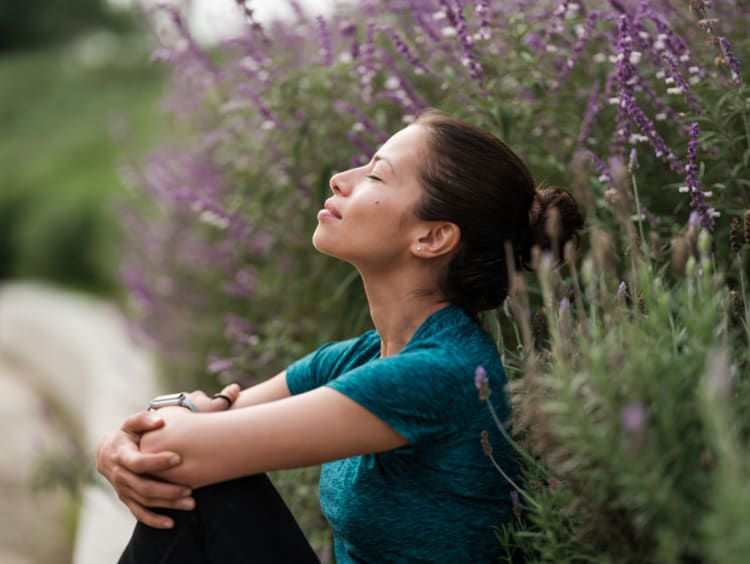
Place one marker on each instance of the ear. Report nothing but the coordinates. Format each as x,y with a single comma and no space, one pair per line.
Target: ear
440,238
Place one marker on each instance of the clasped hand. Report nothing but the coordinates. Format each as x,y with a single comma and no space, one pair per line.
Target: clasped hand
130,471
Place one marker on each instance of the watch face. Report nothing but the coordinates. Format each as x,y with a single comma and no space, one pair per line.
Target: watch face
167,399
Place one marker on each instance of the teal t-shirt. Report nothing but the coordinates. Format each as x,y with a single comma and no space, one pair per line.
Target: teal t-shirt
437,499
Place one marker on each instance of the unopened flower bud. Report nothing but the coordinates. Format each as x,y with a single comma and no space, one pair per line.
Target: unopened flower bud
704,243
690,267
680,250
484,439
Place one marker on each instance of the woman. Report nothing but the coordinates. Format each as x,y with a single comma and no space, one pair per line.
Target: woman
394,415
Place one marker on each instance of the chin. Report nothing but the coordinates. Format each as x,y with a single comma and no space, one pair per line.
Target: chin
319,242
325,246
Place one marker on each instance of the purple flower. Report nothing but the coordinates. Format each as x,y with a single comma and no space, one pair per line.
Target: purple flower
324,36
622,289
367,124
481,9
633,418
467,43
481,383
244,283
592,109
601,168
730,59
633,160
705,213
217,365
349,29
584,35
649,130
680,86
239,330
260,244
367,68
403,48
515,502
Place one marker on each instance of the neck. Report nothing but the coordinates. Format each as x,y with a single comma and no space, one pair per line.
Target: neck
398,307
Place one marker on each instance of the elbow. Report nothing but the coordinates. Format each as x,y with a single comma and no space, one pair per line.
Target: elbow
170,439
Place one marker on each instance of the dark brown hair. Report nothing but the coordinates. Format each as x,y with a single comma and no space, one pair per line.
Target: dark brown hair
474,180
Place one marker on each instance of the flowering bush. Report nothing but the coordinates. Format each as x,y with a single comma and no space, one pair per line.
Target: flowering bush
640,106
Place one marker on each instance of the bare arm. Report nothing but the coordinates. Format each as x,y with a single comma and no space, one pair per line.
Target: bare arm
310,428
270,390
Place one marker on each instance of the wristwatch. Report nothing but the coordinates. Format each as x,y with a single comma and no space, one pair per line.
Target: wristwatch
172,399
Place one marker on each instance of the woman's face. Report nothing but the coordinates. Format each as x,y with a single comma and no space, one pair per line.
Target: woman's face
369,221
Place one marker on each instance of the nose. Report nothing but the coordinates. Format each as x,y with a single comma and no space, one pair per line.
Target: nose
342,182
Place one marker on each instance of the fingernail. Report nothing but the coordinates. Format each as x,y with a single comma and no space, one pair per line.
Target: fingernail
153,419
186,492
167,524
174,459
188,503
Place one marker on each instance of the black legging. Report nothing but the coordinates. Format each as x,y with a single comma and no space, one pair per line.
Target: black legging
240,521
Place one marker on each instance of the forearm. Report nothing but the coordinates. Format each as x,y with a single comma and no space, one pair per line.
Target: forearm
273,389
301,430
214,447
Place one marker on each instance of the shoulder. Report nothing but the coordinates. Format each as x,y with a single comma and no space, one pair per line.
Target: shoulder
330,361
365,344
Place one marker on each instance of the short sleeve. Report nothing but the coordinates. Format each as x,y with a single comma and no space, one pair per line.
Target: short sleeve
329,361
422,395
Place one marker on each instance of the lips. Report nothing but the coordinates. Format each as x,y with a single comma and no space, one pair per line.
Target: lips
332,209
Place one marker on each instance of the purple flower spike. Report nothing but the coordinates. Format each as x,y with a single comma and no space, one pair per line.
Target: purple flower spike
326,51
633,418
731,60
705,213
467,43
403,48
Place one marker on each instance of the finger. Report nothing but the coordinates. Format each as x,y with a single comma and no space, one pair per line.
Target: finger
228,395
148,491
141,422
147,517
181,503
141,463
232,390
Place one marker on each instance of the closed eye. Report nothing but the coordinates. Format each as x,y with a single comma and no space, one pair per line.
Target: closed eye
376,178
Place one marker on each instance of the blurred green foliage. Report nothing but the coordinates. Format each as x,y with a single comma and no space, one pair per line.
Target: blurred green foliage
32,23
68,115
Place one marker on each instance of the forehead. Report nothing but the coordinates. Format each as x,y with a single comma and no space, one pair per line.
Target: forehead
405,146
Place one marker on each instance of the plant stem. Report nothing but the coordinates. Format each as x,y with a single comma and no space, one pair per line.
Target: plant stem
639,215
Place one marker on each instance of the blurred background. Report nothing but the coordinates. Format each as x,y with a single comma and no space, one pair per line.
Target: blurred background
79,99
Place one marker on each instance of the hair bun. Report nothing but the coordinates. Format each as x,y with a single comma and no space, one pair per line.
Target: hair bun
554,219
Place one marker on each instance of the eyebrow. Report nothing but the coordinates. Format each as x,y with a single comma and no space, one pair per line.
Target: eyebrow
377,158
